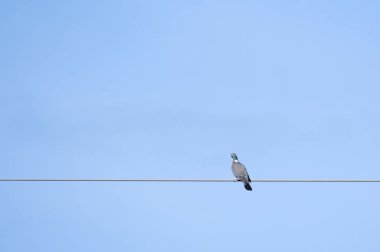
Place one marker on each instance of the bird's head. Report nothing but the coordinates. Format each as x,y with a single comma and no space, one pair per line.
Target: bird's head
234,156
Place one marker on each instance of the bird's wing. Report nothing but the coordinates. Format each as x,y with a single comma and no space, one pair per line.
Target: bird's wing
246,172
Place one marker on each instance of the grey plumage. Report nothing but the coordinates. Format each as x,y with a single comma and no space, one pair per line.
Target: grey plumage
240,172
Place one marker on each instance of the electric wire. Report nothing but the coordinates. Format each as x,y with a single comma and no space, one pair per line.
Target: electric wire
190,180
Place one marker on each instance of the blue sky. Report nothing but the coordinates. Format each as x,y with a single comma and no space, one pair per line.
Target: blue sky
168,89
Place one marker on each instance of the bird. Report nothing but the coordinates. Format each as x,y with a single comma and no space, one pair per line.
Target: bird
240,172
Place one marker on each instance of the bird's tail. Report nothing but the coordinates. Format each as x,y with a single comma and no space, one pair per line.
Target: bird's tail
247,186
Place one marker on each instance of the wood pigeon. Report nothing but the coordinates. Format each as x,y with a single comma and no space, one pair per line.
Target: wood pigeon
240,172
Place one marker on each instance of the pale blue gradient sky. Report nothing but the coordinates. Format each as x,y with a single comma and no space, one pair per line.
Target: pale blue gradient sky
168,89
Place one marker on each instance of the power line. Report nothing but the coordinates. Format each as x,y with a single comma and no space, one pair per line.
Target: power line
193,180
116,180
319,180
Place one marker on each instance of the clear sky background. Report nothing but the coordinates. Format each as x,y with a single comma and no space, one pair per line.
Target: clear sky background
168,89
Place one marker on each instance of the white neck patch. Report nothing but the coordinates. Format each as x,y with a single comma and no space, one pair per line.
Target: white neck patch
236,161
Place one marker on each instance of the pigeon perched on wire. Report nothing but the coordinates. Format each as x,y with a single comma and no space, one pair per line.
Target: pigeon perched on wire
240,172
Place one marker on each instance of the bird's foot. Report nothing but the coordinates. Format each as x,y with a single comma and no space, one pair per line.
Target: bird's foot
237,180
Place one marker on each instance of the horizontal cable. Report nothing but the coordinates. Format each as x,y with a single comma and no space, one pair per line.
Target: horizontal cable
117,180
319,180
195,180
